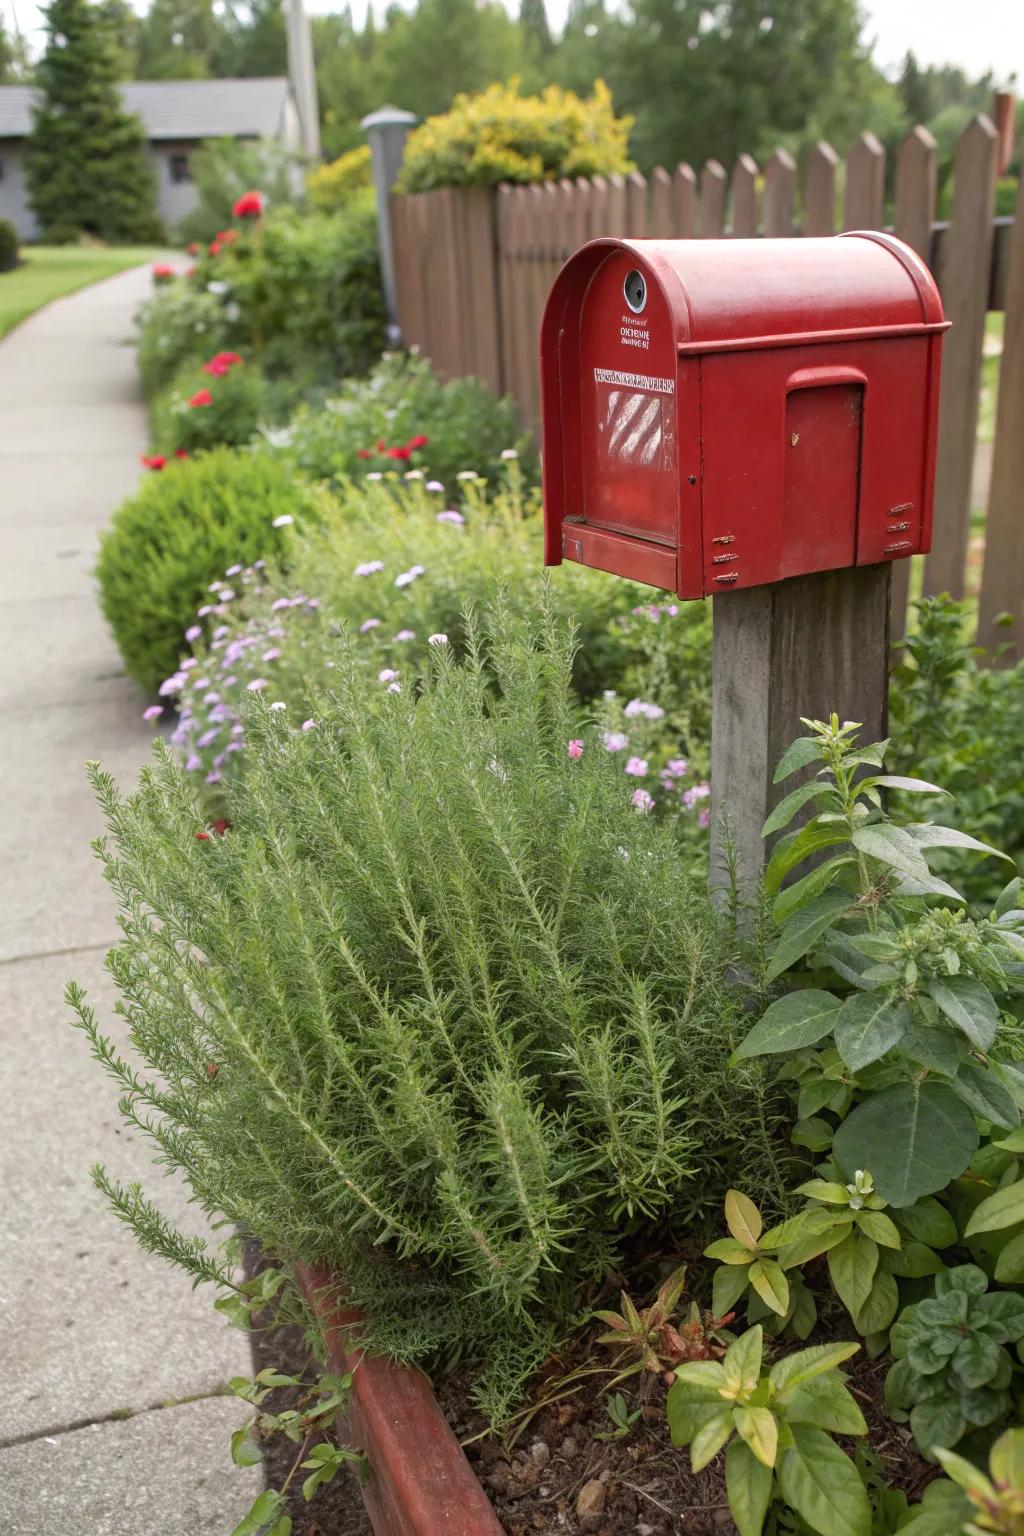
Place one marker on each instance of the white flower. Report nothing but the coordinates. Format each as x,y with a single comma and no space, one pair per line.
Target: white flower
369,567
413,474
394,687
375,474
437,639
435,485
282,521
467,474
406,578
279,704
509,453
218,288
386,675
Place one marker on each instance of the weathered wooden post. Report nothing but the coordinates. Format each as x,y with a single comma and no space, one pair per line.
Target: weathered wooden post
387,130
752,421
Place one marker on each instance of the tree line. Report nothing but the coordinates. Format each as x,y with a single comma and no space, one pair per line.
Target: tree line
700,77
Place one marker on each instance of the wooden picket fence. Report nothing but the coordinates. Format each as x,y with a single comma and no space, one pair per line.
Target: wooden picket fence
473,268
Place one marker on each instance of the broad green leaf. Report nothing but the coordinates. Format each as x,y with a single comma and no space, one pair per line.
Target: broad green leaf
826,1403
913,1261
869,1024
930,1223
822,1484
787,808
804,750
1006,1458
877,1226
743,1218
930,835
1010,1263
742,1362
794,1370
851,1266
814,1133
881,1306
792,1022
727,1286
804,890
1003,1209
811,1245
891,846
727,1251
1014,1142
757,1427
943,1511
966,1474
980,1088
977,1360
770,1284
825,1190
266,1508
937,1421
933,1046
709,1439
792,849
244,1450
916,1137
1009,897
899,781
805,928
748,1485
969,1005
701,1374
688,1409
928,885
812,1221
804,1313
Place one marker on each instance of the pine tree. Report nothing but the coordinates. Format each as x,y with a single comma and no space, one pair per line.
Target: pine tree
87,165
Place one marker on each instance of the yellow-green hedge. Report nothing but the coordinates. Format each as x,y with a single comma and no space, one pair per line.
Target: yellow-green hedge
331,186
499,135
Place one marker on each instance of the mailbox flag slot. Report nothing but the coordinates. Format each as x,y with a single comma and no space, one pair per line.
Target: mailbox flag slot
821,479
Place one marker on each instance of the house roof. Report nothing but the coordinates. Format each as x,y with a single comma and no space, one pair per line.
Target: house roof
177,109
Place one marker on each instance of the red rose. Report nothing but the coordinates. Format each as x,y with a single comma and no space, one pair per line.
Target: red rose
221,825
400,453
201,397
162,273
202,837
248,206
181,453
382,446
417,442
222,363
154,460
215,247
364,453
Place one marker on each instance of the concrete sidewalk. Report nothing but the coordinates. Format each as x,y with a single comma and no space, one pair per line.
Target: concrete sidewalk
111,1422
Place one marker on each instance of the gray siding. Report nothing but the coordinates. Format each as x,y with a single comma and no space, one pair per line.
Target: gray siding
14,204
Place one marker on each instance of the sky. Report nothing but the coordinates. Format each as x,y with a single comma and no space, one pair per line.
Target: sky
978,35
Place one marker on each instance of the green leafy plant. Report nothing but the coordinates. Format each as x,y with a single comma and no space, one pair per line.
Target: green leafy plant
649,1339
466,1005
199,411
223,169
952,1371
777,1427
9,255
971,1502
177,324
996,1222
916,1036
182,527
622,1416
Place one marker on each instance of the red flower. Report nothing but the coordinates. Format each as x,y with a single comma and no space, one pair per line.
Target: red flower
181,453
154,460
222,363
193,248
364,453
201,397
417,442
202,837
400,453
228,236
162,273
382,446
221,825
248,206
215,247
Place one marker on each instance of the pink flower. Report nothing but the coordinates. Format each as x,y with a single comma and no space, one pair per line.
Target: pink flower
696,793
193,632
153,712
676,768
273,653
386,675
258,684
309,725
637,766
435,485
575,748
405,634
704,818
369,567
455,518
394,687
248,206
641,707
367,625
642,800
615,741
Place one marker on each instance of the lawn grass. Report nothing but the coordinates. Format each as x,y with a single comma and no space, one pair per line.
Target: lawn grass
48,272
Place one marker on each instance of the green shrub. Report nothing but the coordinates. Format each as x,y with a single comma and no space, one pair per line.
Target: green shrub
499,135
401,401
440,1010
203,409
222,170
182,528
330,187
302,296
177,324
394,568
8,246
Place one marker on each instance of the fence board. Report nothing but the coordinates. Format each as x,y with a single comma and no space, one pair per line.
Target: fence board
617,214
1002,583
865,184
636,207
712,200
965,286
820,190
600,211
662,223
684,185
584,201
745,211
779,194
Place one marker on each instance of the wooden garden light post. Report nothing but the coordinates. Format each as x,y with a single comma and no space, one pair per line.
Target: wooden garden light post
754,421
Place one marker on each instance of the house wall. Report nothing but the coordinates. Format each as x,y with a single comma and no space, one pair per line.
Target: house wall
14,203
173,198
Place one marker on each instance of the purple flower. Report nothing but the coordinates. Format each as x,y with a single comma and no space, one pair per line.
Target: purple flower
213,777
171,685
455,518
220,632
208,737
405,634
203,611
153,712
676,768
704,818
575,748
367,625
369,567
434,485
238,729
232,570
212,697
201,682
642,800
235,746
637,767
258,684
694,794
386,675
225,596
312,602
309,725
273,653
193,632
279,603
394,687
283,521
193,762
641,707
615,741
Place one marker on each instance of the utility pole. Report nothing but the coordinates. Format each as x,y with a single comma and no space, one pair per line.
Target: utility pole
303,77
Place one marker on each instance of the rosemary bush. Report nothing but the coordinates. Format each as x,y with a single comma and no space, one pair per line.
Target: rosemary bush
440,1009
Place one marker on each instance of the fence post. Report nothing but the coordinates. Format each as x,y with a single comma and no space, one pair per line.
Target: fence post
865,184
387,130
820,190
1002,582
779,194
964,283
712,200
745,211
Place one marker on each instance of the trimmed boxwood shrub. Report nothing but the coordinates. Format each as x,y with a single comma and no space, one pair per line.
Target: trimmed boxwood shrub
184,526
8,246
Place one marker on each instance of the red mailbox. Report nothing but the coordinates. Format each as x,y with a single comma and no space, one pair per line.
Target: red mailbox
725,413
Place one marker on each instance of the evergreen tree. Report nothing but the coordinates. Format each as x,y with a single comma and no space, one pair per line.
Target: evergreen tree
177,39
533,19
252,40
915,88
87,164
13,59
